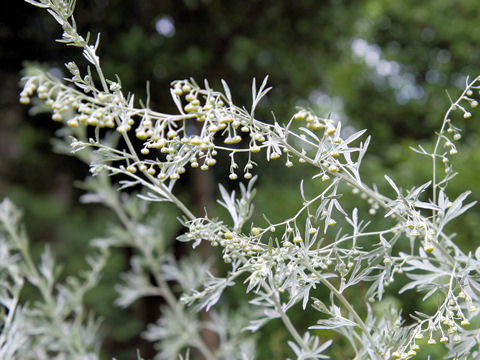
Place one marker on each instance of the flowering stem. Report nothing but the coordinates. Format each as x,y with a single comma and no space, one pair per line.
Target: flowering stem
379,198
434,154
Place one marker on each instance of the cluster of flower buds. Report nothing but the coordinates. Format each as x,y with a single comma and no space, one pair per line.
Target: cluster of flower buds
71,106
450,133
316,123
235,246
444,327
208,123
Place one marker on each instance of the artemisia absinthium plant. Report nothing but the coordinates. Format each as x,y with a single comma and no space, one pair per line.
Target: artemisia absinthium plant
283,264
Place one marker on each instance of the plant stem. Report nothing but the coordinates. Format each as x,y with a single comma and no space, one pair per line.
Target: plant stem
12,308
167,293
289,325
349,308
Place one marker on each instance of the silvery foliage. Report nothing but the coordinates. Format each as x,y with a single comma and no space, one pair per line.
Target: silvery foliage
56,326
282,264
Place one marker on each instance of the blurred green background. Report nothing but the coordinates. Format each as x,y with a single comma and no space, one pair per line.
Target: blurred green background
380,65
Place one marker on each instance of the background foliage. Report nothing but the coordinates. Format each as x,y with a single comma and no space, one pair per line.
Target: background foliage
383,66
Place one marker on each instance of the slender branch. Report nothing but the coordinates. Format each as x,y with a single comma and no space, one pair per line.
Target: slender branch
289,325
349,308
12,308
116,206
